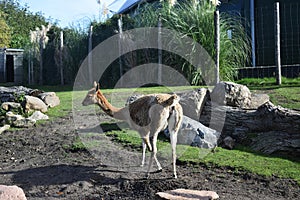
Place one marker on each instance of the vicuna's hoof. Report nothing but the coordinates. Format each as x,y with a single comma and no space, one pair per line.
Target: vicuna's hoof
174,176
159,170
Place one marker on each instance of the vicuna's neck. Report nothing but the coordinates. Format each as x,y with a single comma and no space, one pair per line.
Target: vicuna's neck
109,109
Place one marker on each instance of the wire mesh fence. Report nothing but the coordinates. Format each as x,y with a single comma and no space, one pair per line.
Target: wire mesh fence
288,71
289,37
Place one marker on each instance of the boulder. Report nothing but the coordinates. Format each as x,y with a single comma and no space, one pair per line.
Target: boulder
11,193
196,134
18,120
228,142
132,99
258,100
50,99
184,194
231,94
192,102
12,94
10,105
4,128
38,115
34,103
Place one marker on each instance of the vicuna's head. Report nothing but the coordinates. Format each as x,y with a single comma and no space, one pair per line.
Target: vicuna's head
91,97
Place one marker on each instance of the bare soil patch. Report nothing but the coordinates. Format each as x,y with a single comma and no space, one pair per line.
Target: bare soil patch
36,160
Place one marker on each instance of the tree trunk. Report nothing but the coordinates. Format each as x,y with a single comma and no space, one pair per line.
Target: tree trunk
279,127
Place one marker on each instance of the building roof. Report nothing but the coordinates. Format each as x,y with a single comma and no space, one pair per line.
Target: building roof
11,50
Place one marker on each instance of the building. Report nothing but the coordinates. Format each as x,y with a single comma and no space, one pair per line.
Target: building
11,65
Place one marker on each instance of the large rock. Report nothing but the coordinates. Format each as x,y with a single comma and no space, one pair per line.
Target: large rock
4,128
192,102
38,115
34,103
184,194
231,94
196,134
11,193
13,94
258,100
18,120
10,105
50,99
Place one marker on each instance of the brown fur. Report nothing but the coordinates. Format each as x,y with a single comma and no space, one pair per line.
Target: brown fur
148,115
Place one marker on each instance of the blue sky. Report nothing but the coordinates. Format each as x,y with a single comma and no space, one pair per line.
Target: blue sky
67,12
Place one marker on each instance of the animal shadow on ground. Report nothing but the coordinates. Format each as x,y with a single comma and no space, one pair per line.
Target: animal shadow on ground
56,175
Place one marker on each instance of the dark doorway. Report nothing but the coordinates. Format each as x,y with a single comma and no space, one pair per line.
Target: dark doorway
10,68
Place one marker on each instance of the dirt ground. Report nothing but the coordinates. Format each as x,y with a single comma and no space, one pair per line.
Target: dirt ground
36,160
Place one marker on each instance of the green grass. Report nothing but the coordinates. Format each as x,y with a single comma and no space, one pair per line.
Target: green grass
240,159
286,95
269,83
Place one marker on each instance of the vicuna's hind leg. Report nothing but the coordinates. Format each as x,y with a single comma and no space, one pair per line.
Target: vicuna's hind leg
153,156
144,147
174,123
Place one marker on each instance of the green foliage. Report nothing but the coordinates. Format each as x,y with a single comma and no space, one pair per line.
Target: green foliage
77,145
197,22
20,21
5,34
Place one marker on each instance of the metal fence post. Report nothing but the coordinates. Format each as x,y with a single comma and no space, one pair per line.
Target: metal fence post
277,43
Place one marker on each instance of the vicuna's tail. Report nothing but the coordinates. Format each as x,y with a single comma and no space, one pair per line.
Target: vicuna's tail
171,101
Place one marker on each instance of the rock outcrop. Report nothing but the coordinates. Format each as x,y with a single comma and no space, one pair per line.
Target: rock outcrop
185,194
11,193
18,101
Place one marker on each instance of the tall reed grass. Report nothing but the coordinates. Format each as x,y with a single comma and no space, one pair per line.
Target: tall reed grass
196,20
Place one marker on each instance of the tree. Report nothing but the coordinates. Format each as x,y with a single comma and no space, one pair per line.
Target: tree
5,35
21,21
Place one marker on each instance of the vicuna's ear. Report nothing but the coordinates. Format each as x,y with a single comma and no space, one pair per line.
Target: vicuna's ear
95,84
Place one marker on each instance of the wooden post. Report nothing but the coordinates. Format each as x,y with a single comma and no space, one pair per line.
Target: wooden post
217,44
29,67
120,24
41,61
159,78
61,58
90,57
277,43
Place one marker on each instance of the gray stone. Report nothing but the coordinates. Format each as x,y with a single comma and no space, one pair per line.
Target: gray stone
11,193
34,103
196,134
10,105
11,94
258,100
228,142
38,115
231,94
4,128
50,99
18,120
185,194
192,102
132,98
